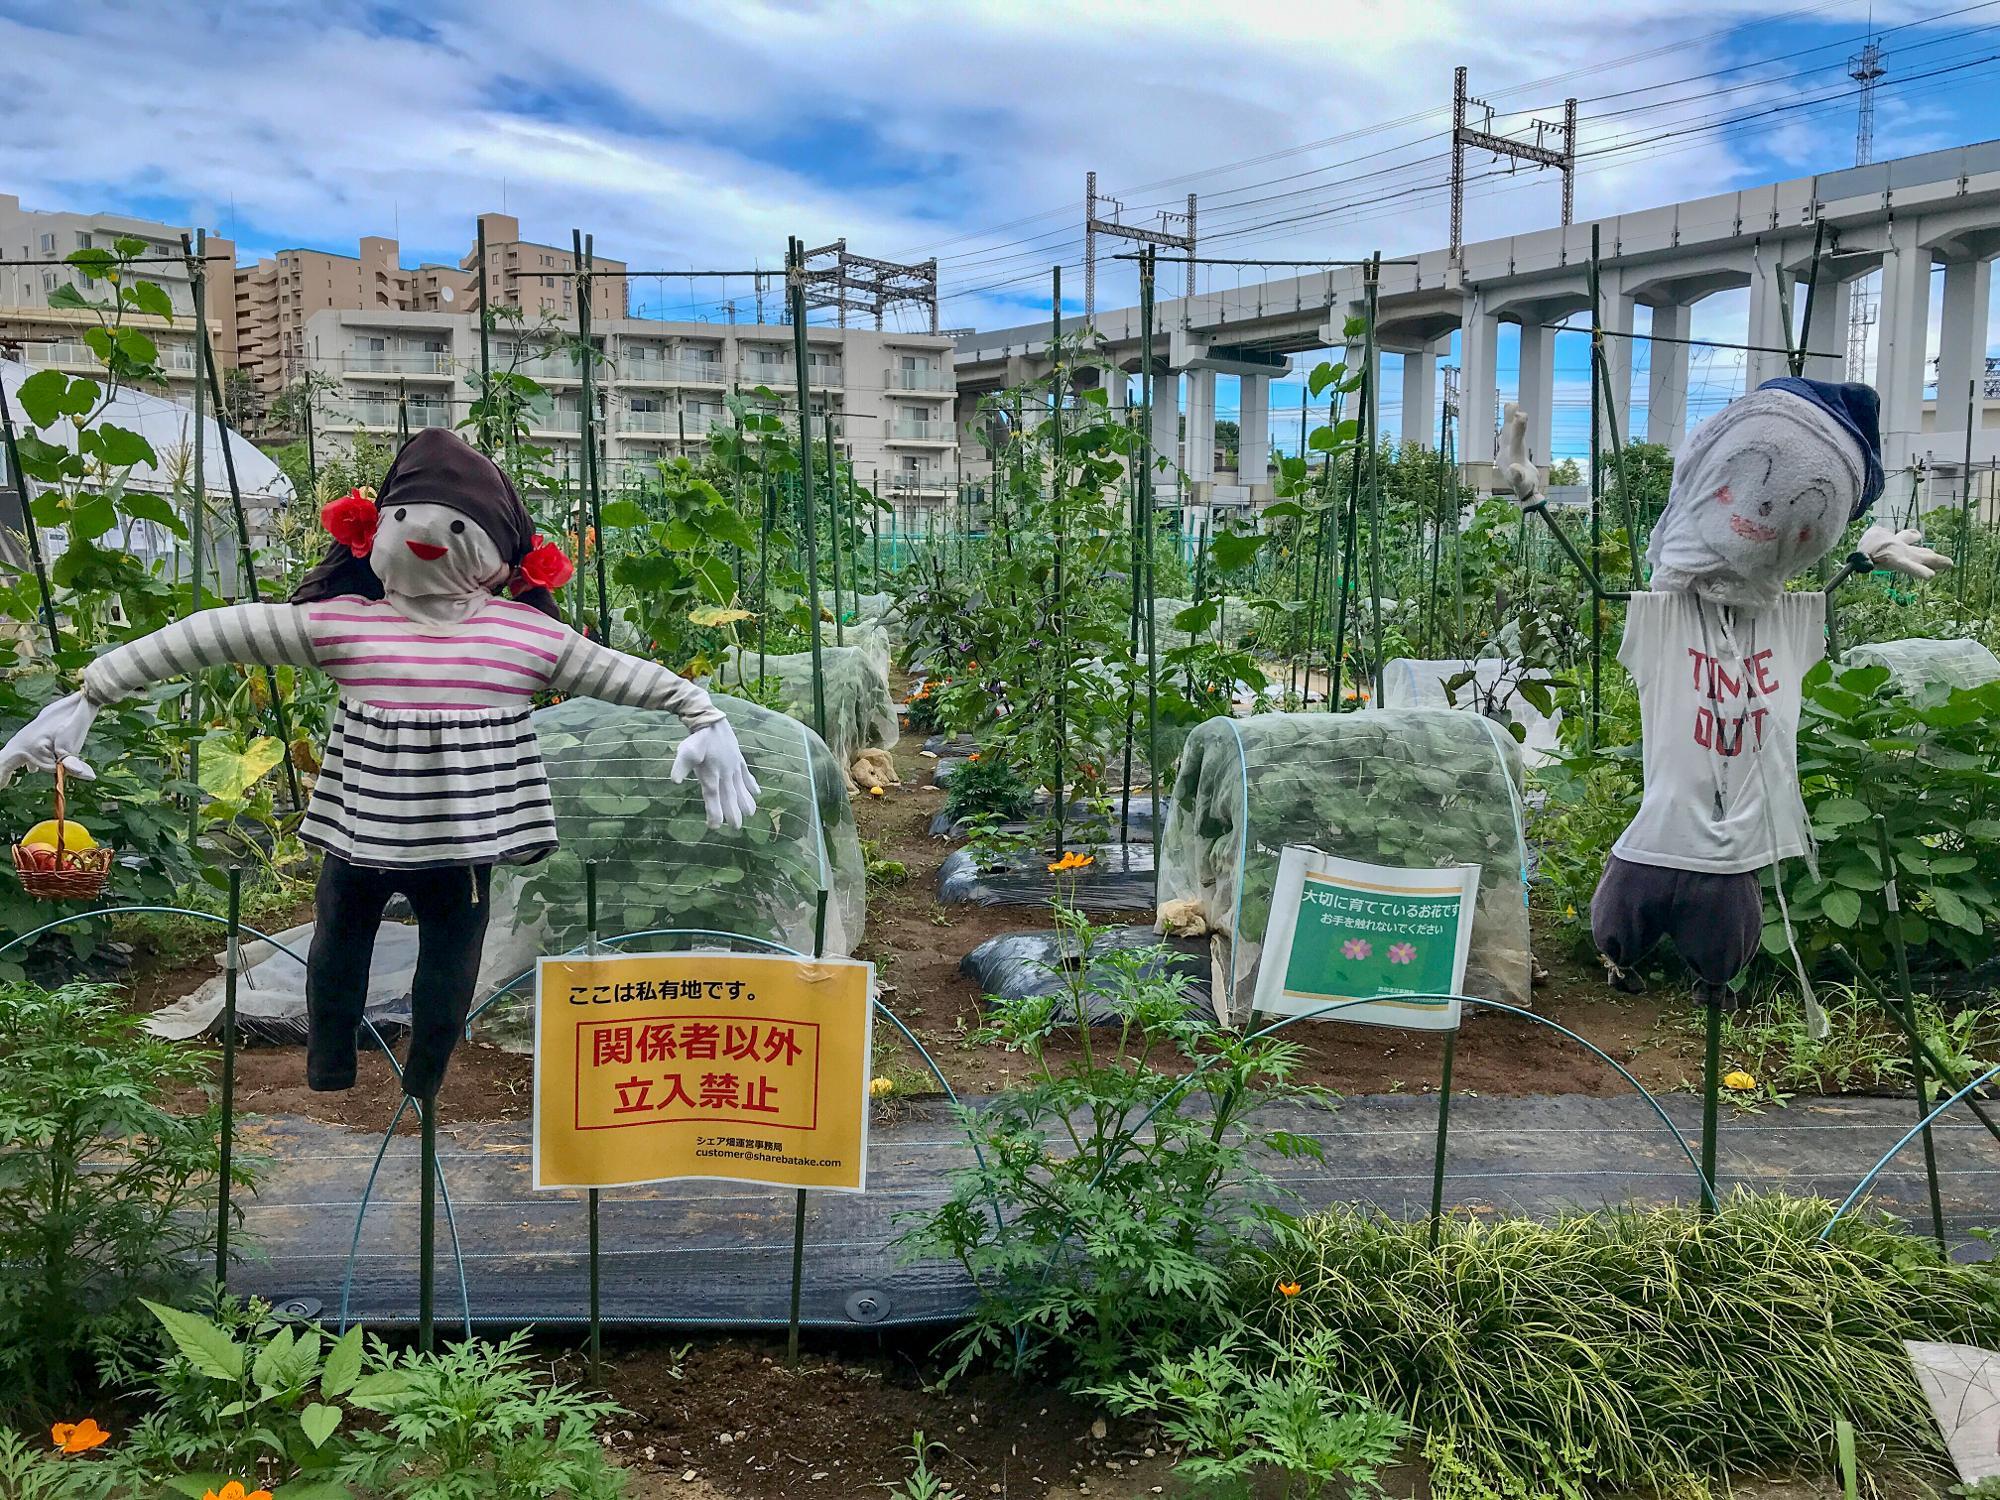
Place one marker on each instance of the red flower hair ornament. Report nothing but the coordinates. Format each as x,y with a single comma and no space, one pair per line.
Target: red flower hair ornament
545,567
351,520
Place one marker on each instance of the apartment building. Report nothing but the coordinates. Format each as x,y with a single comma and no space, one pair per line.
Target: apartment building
659,390
275,298
540,279
40,335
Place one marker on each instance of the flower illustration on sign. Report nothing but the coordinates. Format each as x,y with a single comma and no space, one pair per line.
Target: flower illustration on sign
1355,948
1402,953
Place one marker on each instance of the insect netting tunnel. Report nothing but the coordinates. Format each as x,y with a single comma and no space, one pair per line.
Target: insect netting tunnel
1406,787
1492,690
659,865
860,713
1921,662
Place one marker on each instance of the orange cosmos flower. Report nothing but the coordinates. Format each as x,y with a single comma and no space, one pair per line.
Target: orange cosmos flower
1288,1288
234,1491
78,1437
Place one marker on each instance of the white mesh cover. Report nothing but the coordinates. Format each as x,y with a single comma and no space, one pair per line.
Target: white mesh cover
1411,787
1920,662
1408,683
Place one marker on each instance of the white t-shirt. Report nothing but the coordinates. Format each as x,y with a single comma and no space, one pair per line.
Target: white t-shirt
1719,707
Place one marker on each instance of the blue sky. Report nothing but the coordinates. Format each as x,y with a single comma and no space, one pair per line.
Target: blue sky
686,135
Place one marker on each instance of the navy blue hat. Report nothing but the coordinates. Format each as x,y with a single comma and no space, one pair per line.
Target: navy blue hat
1855,407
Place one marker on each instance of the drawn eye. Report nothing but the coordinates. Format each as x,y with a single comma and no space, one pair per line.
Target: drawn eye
402,515
457,527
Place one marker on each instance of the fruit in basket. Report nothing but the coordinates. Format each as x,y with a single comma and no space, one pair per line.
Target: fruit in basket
75,837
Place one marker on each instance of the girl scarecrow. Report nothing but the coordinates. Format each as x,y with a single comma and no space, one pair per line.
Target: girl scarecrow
433,613
1716,647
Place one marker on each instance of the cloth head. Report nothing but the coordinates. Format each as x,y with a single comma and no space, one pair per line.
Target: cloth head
1858,409
438,468
1761,492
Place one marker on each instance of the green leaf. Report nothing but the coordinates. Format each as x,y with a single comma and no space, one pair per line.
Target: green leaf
208,1348
92,518
198,1485
141,506
343,1364
1858,877
380,1391
624,513
1236,549
1839,812
149,297
120,447
1955,911
1841,907
69,296
228,774
43,396
269,1369
317,1489
319,1422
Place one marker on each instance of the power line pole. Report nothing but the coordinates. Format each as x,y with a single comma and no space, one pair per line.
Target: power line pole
1866,69
1093,226
1482,138
864,284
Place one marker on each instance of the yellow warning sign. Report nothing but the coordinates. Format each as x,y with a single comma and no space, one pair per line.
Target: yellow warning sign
651,1067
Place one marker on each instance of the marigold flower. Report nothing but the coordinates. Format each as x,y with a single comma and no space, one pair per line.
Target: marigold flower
973,756
1740,1081
79,1437
880,1088
1288,1289
874,791
234,1491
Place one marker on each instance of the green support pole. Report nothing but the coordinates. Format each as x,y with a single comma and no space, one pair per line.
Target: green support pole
1964,548
1710,1083
485,352
1058,800
1919,1071
278,714
231,962
1146,292
20,478
795,283
582,251
1374,404
833,512
799,1203
191,705
312,456
427,1225
1597,388
402,412
596,1261
1444,1129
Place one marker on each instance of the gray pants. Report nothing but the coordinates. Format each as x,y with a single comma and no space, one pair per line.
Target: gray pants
1715,921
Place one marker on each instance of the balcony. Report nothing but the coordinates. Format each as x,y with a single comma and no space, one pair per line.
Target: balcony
776,373
931,380
669,371
916,430
664,422
385,415
930,481
824,375
546,367
425,362
555,421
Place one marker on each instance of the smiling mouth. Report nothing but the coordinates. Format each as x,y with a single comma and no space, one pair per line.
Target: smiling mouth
1743,526
426,550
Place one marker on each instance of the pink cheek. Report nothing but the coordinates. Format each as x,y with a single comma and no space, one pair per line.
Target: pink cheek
1805,534
1722,496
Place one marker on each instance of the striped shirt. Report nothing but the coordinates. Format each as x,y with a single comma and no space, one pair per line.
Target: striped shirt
432,761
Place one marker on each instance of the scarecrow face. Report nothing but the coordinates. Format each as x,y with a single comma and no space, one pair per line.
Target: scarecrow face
424,551
1764,494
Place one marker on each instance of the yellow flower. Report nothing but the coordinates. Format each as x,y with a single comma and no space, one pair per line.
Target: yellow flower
881,1088
1288,1289
1570,911
874,791
78,1437
1739,1080
234,1491
1071,860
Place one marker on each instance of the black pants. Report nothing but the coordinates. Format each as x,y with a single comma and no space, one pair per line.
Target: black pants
1715,921
450,905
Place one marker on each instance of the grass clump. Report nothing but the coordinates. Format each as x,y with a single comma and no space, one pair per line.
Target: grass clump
1652,1352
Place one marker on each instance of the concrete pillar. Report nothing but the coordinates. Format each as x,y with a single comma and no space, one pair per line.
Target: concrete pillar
1478,335
1667,379
1968,301
1537,396
1769,288
1901,353
1618,312
1166,429
1117,386
1199,460
1826,340
1420,422
1253,426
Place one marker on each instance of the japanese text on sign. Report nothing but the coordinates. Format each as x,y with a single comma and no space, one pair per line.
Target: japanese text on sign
651,1067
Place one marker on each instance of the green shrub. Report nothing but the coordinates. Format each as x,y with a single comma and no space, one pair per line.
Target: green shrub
105,1191
310,1417
1647,1351
1099,1226
991,787
1249,1405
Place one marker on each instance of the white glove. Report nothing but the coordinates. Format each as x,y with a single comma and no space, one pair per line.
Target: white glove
1512,466
1902,552
728,790
55,734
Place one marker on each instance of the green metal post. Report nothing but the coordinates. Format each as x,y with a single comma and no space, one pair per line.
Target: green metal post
596,1261
833,512
1597,388
1146,294
795,281
20,478
1443,1130
485,351
799,1203
1062,545
231,962
427,1225
583,257
1919,1070
1710,1084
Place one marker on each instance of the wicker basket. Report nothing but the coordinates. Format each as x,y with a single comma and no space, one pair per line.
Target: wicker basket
78,875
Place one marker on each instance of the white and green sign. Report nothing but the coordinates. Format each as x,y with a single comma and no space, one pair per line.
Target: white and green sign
1342,930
